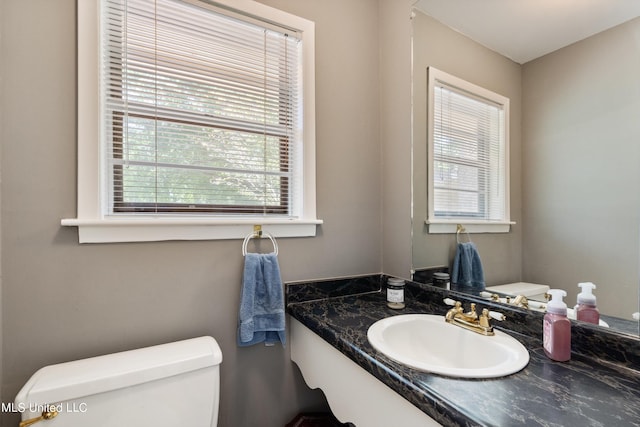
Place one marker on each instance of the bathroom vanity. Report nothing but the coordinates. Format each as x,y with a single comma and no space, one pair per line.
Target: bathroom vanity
599,386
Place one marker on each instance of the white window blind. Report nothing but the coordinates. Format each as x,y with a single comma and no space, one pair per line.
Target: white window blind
468,163
201,111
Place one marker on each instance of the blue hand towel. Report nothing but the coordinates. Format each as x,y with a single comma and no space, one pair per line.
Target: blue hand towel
467,267
262,316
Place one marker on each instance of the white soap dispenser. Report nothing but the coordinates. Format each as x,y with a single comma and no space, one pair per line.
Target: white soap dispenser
556,328
586,309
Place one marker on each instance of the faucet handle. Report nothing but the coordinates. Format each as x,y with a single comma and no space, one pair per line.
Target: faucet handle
449,301
486,314
497,316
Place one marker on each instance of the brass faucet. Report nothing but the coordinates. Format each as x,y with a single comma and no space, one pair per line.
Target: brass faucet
470,320
520,301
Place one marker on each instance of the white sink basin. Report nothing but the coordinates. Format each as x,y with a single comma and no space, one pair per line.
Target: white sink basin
428,343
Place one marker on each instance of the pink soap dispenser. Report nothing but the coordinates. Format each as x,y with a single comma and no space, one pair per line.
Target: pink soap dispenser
556,332
586,309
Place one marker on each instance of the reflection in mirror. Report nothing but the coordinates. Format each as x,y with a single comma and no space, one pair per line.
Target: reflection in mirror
574,156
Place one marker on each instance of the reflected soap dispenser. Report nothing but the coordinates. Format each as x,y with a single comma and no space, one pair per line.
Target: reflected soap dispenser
586,309
556,332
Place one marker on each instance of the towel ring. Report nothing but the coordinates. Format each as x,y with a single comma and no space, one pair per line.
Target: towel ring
461,229
252,235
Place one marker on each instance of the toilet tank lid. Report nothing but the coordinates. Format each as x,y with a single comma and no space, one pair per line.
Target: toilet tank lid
520,288
72,380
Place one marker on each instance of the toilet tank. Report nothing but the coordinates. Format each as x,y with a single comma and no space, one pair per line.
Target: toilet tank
168,385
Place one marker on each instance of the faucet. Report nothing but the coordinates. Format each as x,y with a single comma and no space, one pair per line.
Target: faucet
470,320
518,301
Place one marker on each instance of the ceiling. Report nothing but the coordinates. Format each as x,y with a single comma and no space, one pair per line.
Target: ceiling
523,30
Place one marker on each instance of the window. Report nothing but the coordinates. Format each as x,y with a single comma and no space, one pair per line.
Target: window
468,178
199,124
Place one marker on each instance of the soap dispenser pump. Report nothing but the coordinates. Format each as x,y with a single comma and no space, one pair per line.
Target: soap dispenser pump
556,333
586,309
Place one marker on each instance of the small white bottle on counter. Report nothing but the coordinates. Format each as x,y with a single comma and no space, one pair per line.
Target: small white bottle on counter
441,280
395,293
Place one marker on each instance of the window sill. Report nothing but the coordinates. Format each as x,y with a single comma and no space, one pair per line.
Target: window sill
155,229
450,227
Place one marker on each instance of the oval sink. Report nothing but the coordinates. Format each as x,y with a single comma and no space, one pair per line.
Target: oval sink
428,343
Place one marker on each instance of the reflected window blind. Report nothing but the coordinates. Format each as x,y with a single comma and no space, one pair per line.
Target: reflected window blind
201,110
469,172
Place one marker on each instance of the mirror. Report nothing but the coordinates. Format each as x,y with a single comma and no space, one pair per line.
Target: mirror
574,163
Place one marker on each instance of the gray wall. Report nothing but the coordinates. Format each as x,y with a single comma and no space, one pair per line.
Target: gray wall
63,301
435,44
581,167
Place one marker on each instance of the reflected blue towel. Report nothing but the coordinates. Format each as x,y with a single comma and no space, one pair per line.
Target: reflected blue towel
261,317
467,267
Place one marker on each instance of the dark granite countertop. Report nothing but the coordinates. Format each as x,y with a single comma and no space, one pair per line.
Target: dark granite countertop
585,391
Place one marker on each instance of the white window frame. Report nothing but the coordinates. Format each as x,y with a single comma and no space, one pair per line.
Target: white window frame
449,225
95,226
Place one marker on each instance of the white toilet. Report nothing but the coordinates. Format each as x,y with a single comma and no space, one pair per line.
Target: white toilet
168,385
